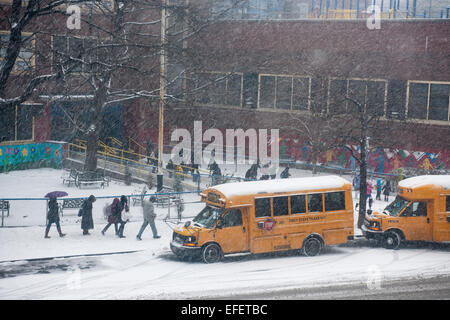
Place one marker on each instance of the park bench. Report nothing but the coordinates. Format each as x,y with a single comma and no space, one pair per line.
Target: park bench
71,204
138,196
4,206
164,200
90,178
70,177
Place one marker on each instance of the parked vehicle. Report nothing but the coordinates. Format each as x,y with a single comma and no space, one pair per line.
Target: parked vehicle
268,216
421,211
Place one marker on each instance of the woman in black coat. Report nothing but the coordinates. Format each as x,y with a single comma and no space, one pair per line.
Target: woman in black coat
53,217
120,207
86,221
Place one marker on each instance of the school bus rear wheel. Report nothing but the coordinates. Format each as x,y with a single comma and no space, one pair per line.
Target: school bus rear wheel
312,247
211,253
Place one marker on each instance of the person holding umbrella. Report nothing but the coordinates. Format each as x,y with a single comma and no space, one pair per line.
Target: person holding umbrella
53,215
86,213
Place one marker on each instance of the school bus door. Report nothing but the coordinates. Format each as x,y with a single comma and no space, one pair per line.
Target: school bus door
232,231
416,221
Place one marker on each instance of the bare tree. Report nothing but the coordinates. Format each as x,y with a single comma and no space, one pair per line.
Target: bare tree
19,17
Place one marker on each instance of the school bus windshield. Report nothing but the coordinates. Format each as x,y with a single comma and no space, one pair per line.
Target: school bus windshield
396,206
208,216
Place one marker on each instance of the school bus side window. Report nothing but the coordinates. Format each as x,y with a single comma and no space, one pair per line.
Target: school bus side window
447,207
416,209
280,206
233,218
315,202
262,207
334,201
298,204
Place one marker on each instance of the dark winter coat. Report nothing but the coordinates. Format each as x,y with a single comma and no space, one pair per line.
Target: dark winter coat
113,218
120,206
86,221
53,211
387,188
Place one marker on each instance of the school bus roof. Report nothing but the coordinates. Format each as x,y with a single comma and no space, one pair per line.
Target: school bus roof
237,193
424,186
429,180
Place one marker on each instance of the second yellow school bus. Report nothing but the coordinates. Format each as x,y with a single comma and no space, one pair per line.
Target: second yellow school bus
268,216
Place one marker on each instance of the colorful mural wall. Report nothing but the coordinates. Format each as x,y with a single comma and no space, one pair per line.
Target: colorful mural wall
32,155
381,160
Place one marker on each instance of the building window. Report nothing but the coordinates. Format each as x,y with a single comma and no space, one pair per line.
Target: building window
428,100
17,122
284,92
370,93
80,54
218,88
25,60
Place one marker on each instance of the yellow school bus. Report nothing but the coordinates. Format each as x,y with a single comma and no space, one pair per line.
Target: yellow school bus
421,211
268,216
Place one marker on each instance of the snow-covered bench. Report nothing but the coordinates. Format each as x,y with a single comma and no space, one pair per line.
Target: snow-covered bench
91,177
164,198
71,204
70,177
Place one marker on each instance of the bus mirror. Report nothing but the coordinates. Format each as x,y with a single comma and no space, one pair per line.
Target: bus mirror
219,224
187,224
369,212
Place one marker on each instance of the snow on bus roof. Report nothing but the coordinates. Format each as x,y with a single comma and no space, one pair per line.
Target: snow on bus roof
437,180
281,185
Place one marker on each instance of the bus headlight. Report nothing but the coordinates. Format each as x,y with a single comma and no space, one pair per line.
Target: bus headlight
190,241
375,225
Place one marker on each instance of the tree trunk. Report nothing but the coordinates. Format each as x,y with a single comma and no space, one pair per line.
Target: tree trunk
363,176
90,163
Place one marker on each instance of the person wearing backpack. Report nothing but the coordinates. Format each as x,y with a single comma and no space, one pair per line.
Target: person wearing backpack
86,213
112,217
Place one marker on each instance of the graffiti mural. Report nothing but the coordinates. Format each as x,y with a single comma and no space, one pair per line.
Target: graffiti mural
32,155
380,160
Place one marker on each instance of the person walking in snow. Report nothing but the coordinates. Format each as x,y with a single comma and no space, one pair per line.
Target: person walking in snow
112,217
53,217
149,214
369,194
379,187
387,190
87,222
121,212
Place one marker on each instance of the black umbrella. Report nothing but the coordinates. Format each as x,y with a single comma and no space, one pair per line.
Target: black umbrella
56,194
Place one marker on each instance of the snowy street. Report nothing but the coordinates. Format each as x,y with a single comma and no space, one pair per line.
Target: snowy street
106,267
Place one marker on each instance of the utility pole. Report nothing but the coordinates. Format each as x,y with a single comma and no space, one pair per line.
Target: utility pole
162,92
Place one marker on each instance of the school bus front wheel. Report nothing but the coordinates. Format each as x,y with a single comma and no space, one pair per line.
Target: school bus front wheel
211,253
392,240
